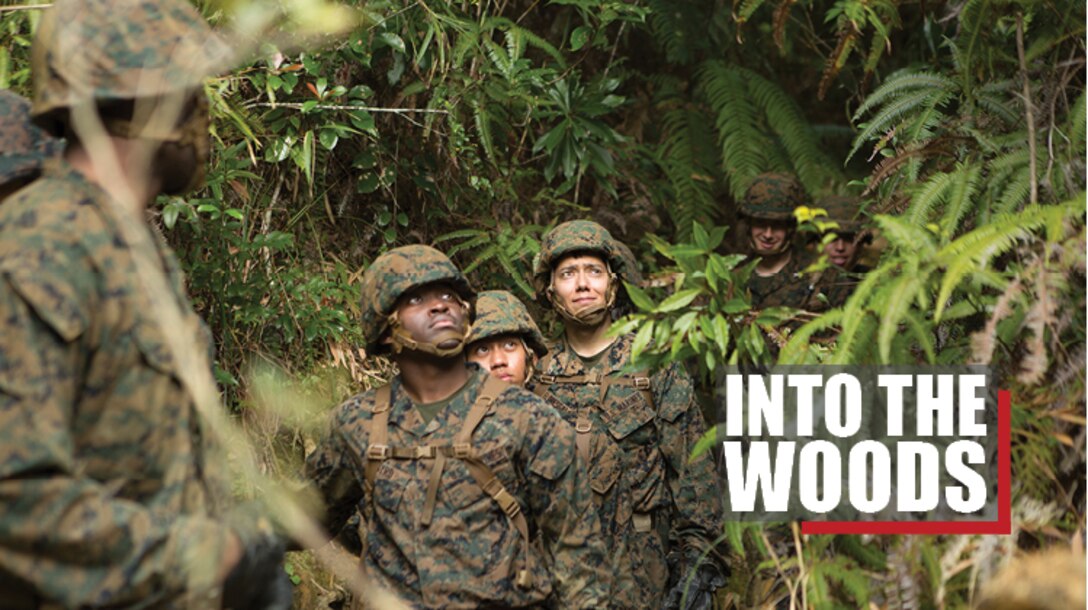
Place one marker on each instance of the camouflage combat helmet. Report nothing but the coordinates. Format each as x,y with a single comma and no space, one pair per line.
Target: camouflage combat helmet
94,53
23,147
629,271
396,272
500,313
846,211
773,196
578,236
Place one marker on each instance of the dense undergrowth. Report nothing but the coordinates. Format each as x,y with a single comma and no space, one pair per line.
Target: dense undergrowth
477,125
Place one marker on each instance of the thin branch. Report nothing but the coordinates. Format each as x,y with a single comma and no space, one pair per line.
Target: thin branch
297,106
24,7
1027,107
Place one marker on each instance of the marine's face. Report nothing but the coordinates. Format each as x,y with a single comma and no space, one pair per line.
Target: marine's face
504,356
433,313
581,282
841,252
768,236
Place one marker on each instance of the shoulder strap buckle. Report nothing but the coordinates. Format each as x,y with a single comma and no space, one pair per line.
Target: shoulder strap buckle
642,383
462,450
546,379
424,452
378,452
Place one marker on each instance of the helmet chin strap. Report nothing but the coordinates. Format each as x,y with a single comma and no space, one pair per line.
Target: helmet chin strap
592,316
402,340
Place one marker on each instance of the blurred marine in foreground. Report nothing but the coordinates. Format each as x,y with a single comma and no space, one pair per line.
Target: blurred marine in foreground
111,490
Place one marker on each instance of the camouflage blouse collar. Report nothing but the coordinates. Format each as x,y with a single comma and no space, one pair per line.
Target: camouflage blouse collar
93,195
405,416
567,361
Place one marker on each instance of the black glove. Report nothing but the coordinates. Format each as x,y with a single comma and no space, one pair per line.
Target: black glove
258,581
695,591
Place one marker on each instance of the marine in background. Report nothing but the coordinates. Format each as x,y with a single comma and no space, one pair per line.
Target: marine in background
504,339
778,279
660,511
844,252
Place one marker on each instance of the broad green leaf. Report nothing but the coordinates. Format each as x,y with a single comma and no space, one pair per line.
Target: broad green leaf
639,297
642,339
580,36
678,301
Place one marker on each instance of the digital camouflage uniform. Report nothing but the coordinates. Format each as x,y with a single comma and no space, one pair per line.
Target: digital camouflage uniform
23,146
101,449
774,196
638,431
449,544
846,211
500,313
107,481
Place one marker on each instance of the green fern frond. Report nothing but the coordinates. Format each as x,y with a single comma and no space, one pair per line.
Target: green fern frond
922,334
994,98
465,43
974,250
902,82
930,196
906,235
678,28
746,9
897,111
483,130
961,197
894,303
687,157
794,132
854,314
737,119
1016,192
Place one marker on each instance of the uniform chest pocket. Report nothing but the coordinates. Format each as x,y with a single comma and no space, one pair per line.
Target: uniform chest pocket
461,488
625,412
389,485
152,345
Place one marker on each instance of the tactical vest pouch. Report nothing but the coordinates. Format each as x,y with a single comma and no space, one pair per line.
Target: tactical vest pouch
605,466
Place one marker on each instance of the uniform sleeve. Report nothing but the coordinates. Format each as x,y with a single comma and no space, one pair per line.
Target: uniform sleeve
64,534
332,476
562,502
694,484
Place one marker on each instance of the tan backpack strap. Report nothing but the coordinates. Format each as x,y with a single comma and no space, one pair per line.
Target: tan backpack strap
583,425
485,476
492,486
432,488
491,389
378,449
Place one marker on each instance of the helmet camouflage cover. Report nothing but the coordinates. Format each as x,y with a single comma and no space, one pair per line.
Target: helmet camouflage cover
582,236
844,210
95,51
396,272
23,147
773,196
500,313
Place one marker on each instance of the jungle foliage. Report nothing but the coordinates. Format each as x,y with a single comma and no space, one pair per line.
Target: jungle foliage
478,125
